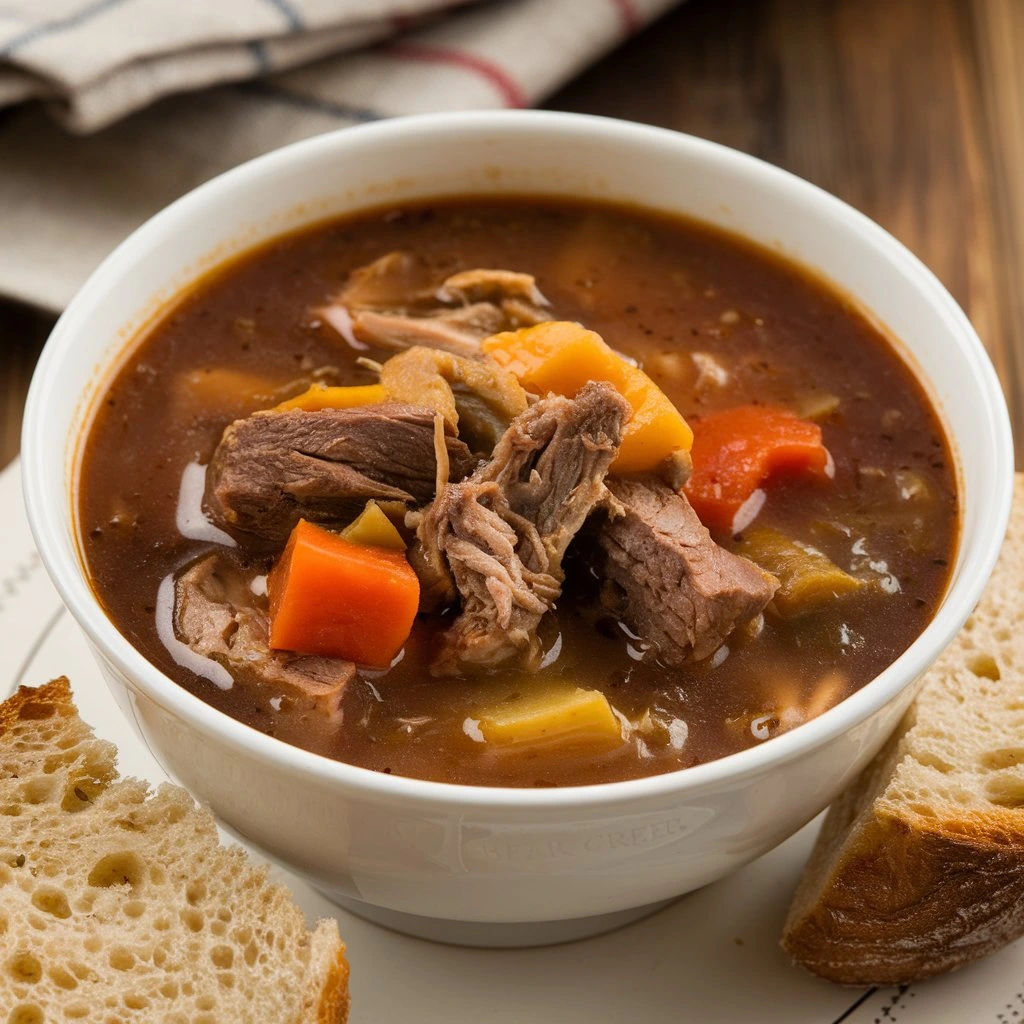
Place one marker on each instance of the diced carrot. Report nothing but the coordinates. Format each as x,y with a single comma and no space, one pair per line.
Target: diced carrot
320,396
331,597
560,356
737,450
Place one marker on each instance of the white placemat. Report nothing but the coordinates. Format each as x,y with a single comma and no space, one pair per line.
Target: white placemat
711,958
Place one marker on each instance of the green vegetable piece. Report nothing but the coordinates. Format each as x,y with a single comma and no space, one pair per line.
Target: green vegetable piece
807,578
372,528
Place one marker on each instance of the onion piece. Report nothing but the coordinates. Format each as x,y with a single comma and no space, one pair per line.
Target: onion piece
749,510
338,317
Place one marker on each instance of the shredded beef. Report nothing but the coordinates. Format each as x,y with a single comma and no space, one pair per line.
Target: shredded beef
395,330
683,593
392,304
493,286
274,468
503,532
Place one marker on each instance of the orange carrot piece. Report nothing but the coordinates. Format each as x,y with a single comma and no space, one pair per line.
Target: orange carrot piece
320,396
737,450
331,597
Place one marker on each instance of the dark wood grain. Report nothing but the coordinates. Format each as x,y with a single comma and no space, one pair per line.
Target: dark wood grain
911,110
22,332
998,34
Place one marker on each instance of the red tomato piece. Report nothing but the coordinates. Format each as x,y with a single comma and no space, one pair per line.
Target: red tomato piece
738,450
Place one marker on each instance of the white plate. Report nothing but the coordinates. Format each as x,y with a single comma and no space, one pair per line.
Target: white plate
711,957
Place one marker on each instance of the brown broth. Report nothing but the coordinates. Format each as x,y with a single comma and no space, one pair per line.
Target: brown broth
656,289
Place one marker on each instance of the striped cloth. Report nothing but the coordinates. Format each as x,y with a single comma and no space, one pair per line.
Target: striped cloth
273,71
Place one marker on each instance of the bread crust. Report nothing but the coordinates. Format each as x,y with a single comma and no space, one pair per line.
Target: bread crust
30,731
328,993
911,899
919,866
54,696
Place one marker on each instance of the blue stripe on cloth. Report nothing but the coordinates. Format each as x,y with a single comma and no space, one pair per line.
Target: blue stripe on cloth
258,50
343,111
80,17
291,15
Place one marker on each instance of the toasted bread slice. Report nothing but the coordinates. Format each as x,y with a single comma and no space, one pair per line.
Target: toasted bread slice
919,867
120,905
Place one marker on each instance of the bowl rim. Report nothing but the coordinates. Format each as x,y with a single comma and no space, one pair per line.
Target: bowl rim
45,512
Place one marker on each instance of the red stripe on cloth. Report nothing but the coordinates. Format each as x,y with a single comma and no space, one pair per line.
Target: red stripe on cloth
509,89
631,20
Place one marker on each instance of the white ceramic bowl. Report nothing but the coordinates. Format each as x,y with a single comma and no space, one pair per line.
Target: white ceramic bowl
505,866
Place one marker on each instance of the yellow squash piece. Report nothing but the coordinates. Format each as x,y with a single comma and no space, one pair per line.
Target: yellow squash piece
569,717
320,396
561,357
372,528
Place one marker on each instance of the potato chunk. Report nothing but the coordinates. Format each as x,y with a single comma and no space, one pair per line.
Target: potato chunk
807,578
816,405
221,392
567,717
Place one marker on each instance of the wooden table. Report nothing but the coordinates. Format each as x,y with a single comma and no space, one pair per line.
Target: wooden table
912,110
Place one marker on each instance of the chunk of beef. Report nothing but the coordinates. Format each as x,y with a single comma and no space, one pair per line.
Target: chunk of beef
491,286
219,617
397,281
274,468
391,303
397,331
684,594
503,532
520,313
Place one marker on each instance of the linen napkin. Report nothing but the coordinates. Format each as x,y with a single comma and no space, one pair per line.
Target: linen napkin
97,60
66,200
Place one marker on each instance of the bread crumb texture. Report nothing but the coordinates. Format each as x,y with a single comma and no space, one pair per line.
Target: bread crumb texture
919,867
118,905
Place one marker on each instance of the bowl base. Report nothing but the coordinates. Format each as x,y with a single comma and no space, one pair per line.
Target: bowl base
494,935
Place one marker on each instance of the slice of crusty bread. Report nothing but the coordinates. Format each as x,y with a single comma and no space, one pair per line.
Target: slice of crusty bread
119,906
919,867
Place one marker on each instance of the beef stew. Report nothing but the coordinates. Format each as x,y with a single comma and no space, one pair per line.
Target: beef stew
517,492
